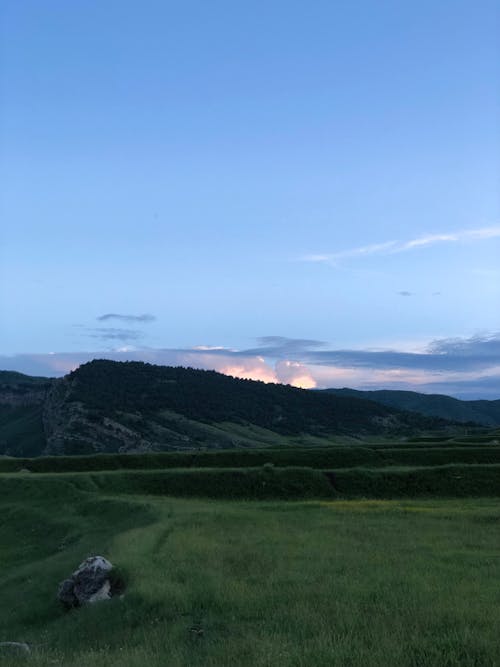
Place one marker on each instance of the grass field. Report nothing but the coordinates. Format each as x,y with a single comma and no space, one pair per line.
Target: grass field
212,583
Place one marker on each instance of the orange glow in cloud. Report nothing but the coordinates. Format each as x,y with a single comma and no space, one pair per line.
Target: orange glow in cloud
249,373
295,373
246,368
256,368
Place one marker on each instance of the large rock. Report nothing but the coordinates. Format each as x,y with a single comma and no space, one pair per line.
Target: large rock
90,582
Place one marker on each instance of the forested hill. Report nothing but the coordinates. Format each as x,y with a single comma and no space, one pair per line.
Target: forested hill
486,413
134,406
209,396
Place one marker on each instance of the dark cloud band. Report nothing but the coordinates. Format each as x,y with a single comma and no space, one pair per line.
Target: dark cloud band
459,355
146,317
110,333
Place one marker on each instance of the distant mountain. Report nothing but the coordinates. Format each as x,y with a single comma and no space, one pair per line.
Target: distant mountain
109,406
486,413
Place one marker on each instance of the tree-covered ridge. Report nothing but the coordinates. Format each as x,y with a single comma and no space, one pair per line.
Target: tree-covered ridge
482,412
209,396
19,382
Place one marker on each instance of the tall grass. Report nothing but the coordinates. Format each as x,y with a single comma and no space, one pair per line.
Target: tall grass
219,584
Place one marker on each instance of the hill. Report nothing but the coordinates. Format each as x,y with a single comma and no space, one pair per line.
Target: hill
486,413
22,400
108,406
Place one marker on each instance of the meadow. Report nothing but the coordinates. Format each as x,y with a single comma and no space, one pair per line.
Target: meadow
229,583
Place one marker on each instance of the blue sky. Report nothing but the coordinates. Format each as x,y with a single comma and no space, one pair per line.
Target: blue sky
325,172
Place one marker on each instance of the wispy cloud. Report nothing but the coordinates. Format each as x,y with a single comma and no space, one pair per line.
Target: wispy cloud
146,317
289,345
111,333
395,247
405,293
362,251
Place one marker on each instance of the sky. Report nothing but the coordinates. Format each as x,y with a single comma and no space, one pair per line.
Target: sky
298,192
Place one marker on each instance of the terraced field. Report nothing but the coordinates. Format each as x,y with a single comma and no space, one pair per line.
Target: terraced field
221,583
372,556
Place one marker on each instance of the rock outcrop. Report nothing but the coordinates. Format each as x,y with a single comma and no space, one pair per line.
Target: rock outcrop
90,582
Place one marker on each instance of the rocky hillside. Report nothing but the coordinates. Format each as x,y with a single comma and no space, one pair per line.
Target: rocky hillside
108,406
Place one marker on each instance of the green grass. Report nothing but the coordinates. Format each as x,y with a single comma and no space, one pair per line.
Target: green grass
314,457
413,482
269,482
241,483
362,583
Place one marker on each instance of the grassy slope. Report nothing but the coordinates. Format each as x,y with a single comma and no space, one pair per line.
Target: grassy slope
219,584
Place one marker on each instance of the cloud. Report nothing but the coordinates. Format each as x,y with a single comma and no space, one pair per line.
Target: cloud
467,367
250,368
111,333
474,354
395,247
290,342
294,373
362,251
146,317
486,346
283,347
458,355
248,365
405,293
116,333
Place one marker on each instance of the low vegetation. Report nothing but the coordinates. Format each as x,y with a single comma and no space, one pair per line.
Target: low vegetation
379,455
218,584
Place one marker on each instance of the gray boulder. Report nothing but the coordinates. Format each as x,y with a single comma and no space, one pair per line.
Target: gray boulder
16,646
90,582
